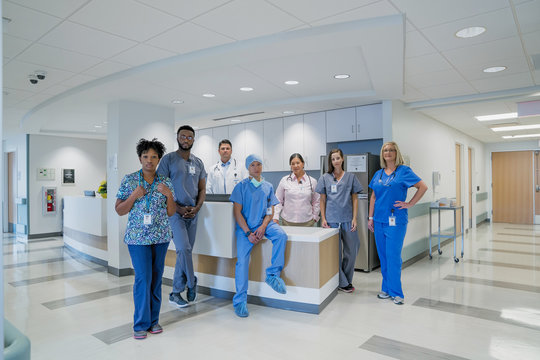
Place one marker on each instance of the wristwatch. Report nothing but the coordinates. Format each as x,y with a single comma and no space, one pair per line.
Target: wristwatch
248,233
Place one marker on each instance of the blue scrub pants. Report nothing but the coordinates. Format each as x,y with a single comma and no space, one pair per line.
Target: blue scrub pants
277,236
348,251
148,262
184,231
389,240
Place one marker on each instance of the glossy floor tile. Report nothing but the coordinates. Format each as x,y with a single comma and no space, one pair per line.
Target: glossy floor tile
487,306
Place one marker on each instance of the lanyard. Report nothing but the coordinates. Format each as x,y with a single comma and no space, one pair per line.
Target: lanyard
148,195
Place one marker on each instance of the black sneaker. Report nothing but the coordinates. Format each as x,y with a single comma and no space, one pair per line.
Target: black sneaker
191,294
348,289
155,329
139,335
176,299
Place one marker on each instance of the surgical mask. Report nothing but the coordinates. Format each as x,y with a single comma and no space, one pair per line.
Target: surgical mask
255,182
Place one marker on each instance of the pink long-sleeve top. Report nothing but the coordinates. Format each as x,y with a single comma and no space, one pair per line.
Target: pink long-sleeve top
298,202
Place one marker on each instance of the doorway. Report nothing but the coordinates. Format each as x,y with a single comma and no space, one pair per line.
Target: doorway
458,188
470,156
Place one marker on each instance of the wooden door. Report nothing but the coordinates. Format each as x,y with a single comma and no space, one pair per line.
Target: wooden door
512,183
458,187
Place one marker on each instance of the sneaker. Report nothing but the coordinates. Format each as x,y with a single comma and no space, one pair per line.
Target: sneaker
398,300
191,294
348,289
241,309
176,299
139,335
276,283
155,329
383,295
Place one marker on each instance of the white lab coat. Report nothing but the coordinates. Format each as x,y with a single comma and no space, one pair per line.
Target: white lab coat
235,173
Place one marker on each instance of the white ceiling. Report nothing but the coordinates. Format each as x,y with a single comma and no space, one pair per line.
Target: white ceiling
99,51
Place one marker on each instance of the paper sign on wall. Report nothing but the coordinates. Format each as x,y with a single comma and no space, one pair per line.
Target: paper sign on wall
45,174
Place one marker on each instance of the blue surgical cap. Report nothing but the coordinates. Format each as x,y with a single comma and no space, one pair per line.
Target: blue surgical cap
251,158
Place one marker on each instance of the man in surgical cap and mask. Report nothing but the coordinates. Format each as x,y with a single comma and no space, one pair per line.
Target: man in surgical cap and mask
254,201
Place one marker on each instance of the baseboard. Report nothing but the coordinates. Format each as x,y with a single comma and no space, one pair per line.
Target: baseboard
38,236
120,272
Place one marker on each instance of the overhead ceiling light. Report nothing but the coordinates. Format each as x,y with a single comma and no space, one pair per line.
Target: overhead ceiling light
288,112
98,126
494,69
497,117
520,136
535,94
177,101
246,89
236,120
291,82
209,95
516,127
470,32
342,76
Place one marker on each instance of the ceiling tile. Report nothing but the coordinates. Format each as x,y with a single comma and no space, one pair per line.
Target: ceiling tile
503,82
499,25
15,96
427,79
531,41
77,80
188,37
425,64
425,13
411,94
12,45
59,8
82,39
142,23
448,90
515,65
417,45
16,76
233,20
185,9
21,17
58,58
311,10
142,54
106,68
528,14
373,10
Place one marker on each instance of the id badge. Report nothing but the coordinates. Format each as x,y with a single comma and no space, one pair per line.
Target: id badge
147,219
392,221
269,211
333,188
192,170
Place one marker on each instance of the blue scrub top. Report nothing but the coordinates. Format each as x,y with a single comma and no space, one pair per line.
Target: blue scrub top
389,189
185,184
254,201
339,205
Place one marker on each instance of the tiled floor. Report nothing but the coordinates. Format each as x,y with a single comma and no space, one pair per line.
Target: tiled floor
487,306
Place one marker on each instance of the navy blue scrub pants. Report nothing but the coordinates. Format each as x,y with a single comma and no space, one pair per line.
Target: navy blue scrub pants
184,231
389,240
148,262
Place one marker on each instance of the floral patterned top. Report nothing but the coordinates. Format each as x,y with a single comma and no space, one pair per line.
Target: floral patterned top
159,231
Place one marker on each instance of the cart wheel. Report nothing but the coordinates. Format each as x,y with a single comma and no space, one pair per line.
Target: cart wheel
440,251
456,259
430,257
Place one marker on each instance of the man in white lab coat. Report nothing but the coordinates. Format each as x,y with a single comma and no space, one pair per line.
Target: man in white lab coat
223,176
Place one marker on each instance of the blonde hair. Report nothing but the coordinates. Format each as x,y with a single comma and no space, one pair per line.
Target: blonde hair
399,158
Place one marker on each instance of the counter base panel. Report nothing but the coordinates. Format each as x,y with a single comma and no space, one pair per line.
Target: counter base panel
83,253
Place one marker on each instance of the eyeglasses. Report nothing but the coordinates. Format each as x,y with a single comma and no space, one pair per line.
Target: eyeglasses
389,150
184,137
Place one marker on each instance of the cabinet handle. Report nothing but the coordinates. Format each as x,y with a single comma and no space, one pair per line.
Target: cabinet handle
358,128
352,129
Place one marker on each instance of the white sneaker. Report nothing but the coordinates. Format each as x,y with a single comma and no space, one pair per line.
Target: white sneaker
383,295
398,301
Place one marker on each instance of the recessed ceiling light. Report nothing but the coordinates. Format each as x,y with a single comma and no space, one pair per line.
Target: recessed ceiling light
516,127
177,101
520,136
291,82
470,32
494,69
497,117
246,89
98,126
288,112
342,76
105,123
236,120
209,95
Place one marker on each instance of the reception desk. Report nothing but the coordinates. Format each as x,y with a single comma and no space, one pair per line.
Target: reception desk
85,226
310,272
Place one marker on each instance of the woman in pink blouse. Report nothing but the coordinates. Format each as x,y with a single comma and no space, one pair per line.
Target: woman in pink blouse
298,202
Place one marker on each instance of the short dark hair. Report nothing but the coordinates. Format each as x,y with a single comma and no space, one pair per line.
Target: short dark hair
330,165
296,155
224,141
185,127
144,145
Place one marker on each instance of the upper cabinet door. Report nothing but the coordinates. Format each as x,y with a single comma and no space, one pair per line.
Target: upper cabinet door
218,134
254,138
341,125
273,145
369,122
293,138
314,140
238,139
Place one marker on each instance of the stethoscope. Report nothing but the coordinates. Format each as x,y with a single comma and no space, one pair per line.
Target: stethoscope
218,168
309,177
390,178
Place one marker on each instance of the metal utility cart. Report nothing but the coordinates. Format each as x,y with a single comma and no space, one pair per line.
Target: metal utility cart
438,235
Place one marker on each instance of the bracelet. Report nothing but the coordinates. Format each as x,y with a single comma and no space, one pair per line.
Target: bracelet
370,218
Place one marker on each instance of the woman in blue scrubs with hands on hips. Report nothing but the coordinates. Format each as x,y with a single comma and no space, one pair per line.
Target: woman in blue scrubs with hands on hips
388,216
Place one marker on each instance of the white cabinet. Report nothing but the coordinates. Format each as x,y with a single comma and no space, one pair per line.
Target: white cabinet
273,145
254,138
218,134
314,139
202,147
369,122
237,136
293,138
341,125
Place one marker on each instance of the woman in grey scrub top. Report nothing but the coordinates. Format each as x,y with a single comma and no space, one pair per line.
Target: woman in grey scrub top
339,202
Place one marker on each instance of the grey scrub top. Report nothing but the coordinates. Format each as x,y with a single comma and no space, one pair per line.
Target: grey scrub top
338,204
185,183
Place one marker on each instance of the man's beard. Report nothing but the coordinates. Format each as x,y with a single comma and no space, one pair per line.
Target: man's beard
184,148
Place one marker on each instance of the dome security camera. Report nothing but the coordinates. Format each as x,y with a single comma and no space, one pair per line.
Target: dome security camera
40,74
33,79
